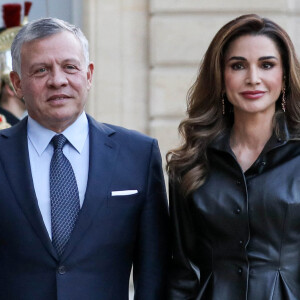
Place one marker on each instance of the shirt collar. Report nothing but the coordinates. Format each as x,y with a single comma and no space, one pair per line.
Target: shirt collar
76,134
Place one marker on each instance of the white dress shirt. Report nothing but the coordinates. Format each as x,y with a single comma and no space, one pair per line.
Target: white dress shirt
40,154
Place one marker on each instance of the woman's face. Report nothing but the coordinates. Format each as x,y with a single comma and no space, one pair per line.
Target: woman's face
253,74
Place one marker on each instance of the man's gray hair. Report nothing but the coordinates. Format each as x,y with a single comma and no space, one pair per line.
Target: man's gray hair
42,28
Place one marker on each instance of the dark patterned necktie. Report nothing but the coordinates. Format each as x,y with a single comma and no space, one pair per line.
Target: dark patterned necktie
63,195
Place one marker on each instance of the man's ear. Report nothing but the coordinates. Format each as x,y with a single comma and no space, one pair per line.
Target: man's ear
90,72
16,82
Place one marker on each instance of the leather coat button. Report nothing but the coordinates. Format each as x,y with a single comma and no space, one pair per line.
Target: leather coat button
240,271
62,270
238,211
238,182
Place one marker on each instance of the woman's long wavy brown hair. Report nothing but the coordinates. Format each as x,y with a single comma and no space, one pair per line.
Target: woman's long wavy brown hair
188,164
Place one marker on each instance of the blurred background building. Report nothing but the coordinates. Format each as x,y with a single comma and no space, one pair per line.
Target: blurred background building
147,54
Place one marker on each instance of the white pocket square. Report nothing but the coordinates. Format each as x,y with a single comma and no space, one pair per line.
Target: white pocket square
124,193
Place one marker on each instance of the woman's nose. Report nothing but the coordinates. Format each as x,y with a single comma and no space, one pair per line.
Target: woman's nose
253,76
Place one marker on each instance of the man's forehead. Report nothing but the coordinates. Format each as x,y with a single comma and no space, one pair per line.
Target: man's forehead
58,44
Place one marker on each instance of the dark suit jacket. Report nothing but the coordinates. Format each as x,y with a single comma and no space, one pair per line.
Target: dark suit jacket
111,232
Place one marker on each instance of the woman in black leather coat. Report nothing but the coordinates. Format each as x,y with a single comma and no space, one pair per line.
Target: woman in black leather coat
235,180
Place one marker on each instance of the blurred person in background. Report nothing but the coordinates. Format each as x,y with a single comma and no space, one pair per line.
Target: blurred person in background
12,109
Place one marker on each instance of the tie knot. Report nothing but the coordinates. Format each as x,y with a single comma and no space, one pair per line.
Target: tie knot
59,141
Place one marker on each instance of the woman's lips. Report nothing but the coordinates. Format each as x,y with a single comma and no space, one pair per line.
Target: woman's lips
252,94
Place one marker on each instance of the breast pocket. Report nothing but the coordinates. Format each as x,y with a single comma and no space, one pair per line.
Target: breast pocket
119,198
124,193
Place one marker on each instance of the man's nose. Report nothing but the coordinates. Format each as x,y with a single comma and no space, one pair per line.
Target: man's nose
57,78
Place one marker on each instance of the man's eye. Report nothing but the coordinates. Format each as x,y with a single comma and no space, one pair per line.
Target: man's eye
40,71
71,67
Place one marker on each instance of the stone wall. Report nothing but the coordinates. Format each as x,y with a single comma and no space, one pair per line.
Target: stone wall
147,54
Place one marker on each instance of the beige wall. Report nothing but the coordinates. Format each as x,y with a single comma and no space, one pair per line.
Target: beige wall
147,54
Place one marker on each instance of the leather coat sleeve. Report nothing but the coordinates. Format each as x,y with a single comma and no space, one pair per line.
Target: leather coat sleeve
152,252
184,277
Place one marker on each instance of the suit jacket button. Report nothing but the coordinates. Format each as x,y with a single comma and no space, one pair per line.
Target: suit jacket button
62,270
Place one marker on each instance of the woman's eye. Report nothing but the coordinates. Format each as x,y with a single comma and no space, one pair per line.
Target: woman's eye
267,65
41,70
237,66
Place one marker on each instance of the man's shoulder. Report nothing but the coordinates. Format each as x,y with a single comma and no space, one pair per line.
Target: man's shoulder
122,133
134,134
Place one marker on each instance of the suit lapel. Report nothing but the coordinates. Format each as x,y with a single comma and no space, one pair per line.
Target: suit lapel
15,159
103,154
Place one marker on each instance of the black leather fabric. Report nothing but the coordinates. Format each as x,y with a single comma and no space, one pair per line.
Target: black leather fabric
238,236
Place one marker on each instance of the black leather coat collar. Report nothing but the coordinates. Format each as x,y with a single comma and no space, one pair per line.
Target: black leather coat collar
280,138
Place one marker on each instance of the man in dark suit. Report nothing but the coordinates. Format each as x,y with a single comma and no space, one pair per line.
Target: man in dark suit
80,201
